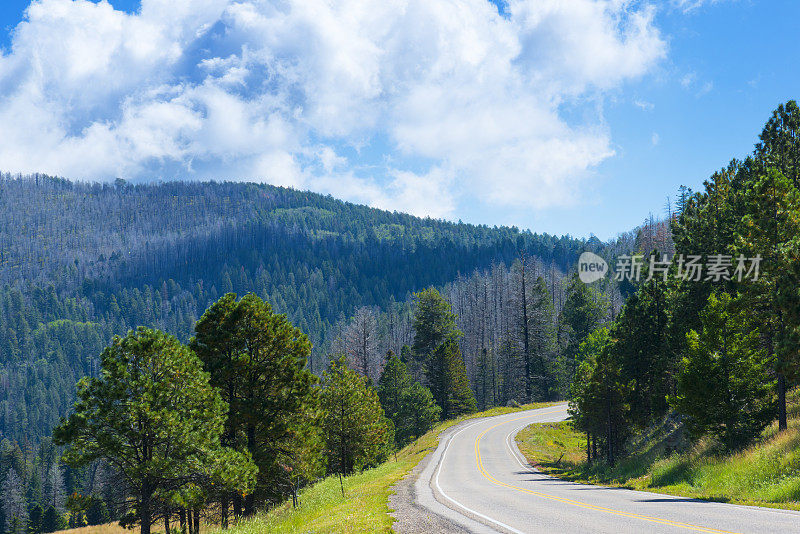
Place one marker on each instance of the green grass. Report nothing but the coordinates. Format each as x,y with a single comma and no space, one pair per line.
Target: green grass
365,506
765,474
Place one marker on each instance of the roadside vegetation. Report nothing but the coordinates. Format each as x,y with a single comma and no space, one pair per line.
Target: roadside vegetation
365,505
663,460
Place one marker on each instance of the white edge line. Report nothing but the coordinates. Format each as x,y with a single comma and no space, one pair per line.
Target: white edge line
514,453
468,509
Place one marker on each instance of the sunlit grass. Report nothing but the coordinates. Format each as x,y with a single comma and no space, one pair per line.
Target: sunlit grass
766,474
365,506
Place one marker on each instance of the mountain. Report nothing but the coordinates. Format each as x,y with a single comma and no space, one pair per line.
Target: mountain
81,262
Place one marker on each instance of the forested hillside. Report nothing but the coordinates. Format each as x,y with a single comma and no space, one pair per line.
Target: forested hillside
82,262
717,346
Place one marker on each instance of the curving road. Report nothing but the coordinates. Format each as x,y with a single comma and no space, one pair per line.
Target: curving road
478,480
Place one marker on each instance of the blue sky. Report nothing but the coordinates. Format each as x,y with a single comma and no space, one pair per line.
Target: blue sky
577,117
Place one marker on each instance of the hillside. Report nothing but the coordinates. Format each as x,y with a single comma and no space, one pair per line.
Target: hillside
664,461
80,263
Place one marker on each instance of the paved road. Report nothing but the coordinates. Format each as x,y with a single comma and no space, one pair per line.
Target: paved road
478,480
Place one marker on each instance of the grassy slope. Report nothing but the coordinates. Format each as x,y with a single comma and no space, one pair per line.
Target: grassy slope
765,474
365,507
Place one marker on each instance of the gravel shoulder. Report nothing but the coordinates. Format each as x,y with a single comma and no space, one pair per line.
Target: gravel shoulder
410,517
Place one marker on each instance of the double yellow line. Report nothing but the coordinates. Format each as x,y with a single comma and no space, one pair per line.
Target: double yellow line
572,502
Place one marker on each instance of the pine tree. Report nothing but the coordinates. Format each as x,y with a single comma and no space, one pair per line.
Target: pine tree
449,383
643,352
725,387
779,145
600,402
583,311
584,413
35,517
434,323
357,433
257,360
393,383
408,404
52,520
153,415
542,333
418,413
769,230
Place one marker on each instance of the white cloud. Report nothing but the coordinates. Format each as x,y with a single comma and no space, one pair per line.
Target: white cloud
430,100
655,139
690,82
688,6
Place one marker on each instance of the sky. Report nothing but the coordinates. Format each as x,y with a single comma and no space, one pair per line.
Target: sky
575,117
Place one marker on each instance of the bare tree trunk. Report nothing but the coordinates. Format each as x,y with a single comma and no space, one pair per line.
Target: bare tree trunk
782,422
144,508
224,510
588,447
249,500
237,505
525,340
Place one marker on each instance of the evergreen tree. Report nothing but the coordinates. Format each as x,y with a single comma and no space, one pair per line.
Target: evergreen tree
393,383
97,512
35,517
408,404
52,520
357,433
641,348
725,387
769,230
600,403
418,413
434,323
583,311
779,145
449,383
581,395
542,332
257,360
152,415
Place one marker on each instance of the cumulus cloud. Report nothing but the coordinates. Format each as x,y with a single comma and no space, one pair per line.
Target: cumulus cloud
404,104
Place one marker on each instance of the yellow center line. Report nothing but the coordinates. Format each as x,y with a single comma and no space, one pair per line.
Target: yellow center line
490,478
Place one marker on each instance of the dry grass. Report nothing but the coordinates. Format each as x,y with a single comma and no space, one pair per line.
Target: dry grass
114,528
108,528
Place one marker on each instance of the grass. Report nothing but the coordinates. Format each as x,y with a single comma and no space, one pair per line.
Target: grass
365,507
108,528
114,528
765,474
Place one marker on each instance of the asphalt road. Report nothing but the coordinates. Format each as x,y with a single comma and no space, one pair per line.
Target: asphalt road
478,479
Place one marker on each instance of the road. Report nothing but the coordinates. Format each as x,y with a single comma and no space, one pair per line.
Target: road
478,479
